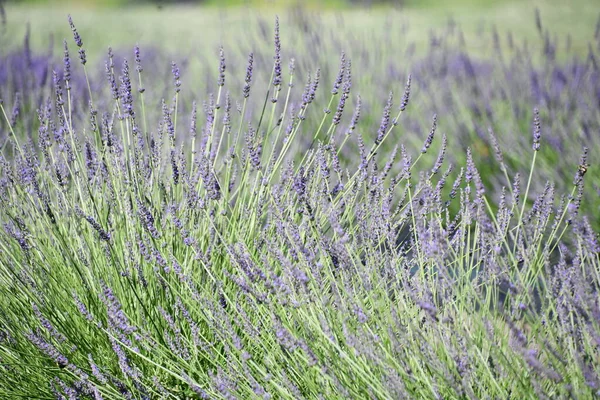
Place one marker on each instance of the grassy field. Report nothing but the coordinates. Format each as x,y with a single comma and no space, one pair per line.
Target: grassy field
196,30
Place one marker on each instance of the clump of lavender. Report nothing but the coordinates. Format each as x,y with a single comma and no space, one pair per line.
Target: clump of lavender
220,267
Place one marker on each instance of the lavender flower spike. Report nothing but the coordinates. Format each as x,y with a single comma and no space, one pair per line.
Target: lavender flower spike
430,137
138,59
104,235
406,95
537,131
277,57
221,80
176,76
67,66
76,36
78,41
126,95
385,120
340,75
248,79
355,116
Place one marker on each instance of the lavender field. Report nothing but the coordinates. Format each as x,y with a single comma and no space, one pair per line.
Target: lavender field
290,203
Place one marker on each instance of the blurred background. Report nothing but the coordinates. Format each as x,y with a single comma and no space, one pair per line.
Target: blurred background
188,23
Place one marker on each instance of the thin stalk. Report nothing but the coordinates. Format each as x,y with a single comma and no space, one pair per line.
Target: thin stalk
525,196
214,123
11,131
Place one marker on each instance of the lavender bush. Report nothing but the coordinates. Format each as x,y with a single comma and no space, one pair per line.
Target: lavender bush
278,241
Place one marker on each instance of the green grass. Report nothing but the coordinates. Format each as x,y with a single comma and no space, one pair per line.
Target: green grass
194,29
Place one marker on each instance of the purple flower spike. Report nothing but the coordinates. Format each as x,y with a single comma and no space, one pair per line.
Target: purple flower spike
345,93
497,151
429,139
138,59
355,116
126,95
248,79
67,66
340,75
104,235
82,56
385,120
16,109
277,57
76,36
516,188
193,121
406,95
221,80
78,41
440,159
315,85
537,130
110,75
176,76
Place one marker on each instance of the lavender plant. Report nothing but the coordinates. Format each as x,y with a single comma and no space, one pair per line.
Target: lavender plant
265,245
